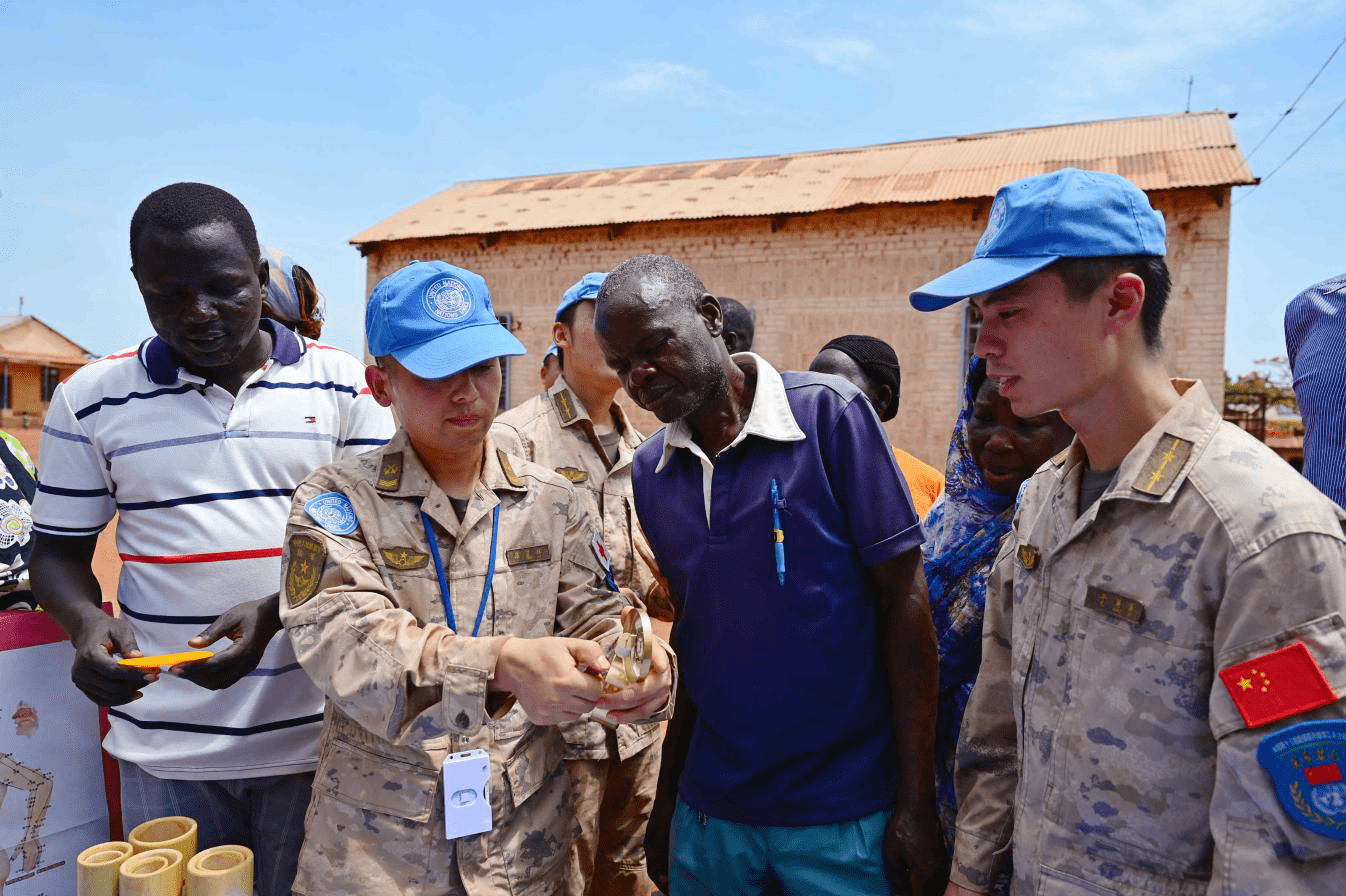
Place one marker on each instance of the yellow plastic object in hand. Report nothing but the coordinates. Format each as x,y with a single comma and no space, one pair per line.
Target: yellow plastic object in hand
165,660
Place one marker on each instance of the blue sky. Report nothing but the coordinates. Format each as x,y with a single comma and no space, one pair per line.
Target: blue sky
326,118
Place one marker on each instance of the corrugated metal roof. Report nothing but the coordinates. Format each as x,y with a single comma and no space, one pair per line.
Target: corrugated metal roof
1157,153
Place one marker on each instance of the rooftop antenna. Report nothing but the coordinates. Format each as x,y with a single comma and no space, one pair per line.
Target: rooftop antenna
20,306
1188,110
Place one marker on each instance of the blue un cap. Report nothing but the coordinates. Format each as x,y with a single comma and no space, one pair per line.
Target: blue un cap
1039,220
435,319
585,288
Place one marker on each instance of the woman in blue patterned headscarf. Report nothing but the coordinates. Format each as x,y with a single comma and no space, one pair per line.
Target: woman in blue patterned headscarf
992,453
291,296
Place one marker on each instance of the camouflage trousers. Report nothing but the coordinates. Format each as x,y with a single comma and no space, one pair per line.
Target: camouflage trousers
613,798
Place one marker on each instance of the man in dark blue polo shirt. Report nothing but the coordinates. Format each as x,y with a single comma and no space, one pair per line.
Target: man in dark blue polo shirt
799,755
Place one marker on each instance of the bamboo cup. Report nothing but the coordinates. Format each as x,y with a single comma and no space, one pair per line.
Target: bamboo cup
220,871
170,832
154,872
99,868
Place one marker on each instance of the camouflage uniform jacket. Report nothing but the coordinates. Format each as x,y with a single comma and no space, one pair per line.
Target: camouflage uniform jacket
553,429
1098,732
403,691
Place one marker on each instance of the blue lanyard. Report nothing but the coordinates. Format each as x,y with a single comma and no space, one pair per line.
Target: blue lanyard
443,579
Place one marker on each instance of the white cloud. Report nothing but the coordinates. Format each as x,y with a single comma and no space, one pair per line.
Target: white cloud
789,29
667,79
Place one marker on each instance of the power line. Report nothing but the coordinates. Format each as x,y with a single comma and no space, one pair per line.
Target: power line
1287,112
1295,151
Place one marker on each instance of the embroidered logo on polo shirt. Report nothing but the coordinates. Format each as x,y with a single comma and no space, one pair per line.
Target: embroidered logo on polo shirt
303,569
1163,465
334,512
574,474
565,406
1115,605
535,554
390,473
1307,763
404,558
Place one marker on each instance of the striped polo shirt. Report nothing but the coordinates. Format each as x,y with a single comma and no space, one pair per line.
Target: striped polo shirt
200,482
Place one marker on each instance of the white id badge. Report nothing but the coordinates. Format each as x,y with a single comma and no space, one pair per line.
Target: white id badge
467,801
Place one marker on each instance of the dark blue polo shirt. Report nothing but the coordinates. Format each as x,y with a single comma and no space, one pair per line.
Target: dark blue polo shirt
793,723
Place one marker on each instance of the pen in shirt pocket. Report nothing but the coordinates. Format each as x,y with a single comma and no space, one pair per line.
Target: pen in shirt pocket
777,533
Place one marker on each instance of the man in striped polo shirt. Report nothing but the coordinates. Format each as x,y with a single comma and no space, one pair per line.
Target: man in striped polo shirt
195,441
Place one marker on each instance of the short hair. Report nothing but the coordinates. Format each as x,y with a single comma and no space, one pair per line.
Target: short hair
878,361
1082,276
674,273
183,206
738,317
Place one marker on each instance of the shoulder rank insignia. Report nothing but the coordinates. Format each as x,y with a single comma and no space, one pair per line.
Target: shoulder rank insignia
390,473
1276,685
303,569
334,512
1115,605
535,554
1307,763
1060,458
507,469
565,406
1029,556
404,558
1163,465
574,474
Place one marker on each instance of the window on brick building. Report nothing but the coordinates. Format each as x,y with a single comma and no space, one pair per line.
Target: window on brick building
506,319
51,378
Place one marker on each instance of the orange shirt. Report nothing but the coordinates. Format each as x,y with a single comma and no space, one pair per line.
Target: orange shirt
925,482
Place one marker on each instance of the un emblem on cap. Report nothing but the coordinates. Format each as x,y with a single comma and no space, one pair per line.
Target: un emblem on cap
994,222
448,299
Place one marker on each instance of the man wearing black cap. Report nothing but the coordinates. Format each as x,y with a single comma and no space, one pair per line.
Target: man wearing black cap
444,595
1153,712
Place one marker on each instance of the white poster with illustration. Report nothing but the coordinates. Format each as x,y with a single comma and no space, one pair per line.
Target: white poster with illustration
52,799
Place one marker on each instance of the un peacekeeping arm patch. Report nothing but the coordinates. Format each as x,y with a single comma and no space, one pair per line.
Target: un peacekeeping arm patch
1307,763
334,512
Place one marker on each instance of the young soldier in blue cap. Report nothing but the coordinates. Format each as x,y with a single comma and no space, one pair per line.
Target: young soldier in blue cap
1157,707
443,595
577,428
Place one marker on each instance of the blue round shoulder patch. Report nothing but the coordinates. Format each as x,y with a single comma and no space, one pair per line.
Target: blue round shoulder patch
334,512
1307,762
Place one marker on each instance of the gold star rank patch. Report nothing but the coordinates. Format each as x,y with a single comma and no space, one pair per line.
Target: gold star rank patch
303,570
404,558
565,406
1163,465
390,473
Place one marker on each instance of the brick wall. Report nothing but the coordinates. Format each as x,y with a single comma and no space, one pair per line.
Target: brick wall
811,277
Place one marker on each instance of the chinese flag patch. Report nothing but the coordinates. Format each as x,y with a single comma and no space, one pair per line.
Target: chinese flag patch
1275,685
1317,775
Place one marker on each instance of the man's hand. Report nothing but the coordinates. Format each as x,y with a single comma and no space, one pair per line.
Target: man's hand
95,672
913,851
544,674
644,698
251,626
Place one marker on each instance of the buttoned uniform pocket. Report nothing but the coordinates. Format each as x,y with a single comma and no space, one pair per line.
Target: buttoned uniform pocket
1133,754
536,822
374,780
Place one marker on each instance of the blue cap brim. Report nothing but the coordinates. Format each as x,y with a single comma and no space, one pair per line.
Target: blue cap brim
456,351
980,275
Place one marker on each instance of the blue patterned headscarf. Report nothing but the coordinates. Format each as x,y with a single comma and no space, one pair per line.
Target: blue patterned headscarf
963,531
291,296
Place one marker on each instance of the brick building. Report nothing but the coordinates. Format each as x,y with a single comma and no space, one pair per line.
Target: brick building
826,243
34,358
